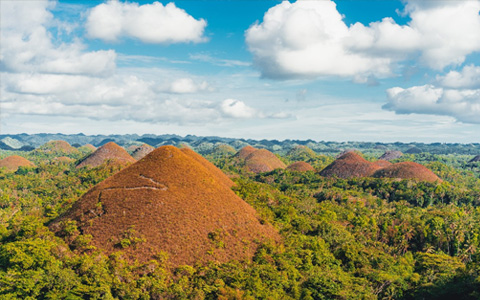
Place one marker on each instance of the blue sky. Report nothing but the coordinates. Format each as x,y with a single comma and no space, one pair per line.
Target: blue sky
323,70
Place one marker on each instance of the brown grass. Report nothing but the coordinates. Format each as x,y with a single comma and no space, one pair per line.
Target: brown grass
13,162
300,166
350,164
176,205
109,151
262,160
382,163
142,151
408,170
245,151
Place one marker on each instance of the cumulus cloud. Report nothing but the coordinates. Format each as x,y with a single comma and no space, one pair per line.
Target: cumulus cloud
463,105
468,77
188,86
310,39
27,44
238,109
150,23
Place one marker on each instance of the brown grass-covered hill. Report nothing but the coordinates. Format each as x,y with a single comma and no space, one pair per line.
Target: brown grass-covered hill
13,162
391,155
168,202
90,146
300,166
141,151
58,148
475,159
109,151
350,164
209,166
262,160
382,163
245,151
407,170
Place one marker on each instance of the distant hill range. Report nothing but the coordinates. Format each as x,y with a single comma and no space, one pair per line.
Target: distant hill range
209,144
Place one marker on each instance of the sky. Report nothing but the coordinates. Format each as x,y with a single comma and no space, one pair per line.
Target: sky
380,71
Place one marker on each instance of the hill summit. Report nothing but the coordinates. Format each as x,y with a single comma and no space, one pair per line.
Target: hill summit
109,151
13,162
170,202
142,151
407,170
350,164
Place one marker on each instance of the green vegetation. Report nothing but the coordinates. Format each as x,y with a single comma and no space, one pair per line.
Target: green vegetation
361,238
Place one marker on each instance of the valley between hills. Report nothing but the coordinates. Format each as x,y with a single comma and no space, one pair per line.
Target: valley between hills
171,217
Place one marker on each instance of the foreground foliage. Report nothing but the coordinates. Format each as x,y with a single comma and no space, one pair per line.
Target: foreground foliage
342,239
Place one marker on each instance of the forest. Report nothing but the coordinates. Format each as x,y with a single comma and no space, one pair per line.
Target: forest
341,238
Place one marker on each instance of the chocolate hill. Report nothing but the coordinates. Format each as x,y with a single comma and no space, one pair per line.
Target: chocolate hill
300,166
223,150
64,159
390,155
407,170
57,148
109,151
262,160
476,158
12,163
142,151
171,203
245,151
382,163
350,164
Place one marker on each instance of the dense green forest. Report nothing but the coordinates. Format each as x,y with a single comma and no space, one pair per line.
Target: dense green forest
359,238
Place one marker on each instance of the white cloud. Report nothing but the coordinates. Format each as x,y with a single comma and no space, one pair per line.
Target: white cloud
27,45
463,105
468,77
150,23
310,39
238,109
188,86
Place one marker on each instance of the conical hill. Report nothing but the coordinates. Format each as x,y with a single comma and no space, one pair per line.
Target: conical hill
171,203
300,166
109,151
142,151
13,162
408,170
245,151
350,164
262,160
390,155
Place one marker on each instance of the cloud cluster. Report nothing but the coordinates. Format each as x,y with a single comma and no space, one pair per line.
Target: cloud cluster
310,39
42,76
453,97
150,23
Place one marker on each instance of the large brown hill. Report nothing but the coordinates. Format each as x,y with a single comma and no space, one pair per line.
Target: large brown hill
300,166
172,203
382,163
109,151
142,151
262,160
13,162
350,164
408,170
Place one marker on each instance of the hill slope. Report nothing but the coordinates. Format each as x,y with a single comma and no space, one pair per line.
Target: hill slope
407,170
350,164
13,162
